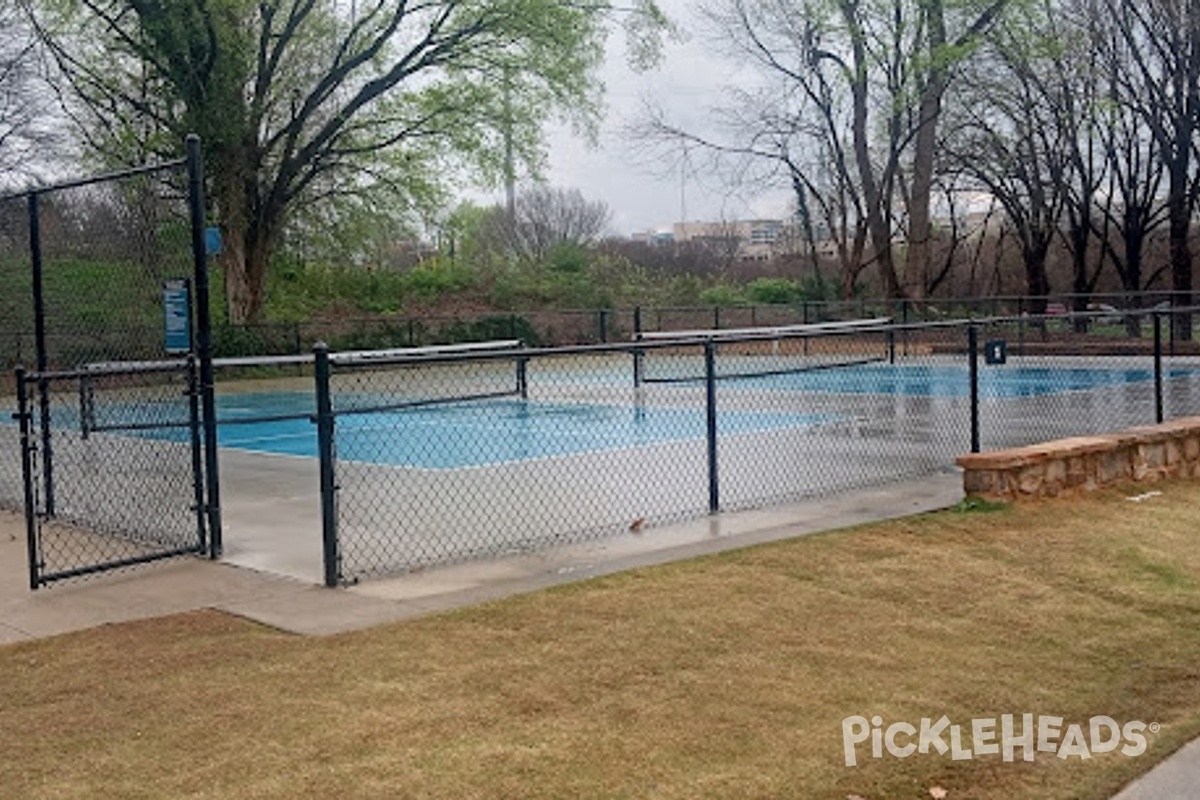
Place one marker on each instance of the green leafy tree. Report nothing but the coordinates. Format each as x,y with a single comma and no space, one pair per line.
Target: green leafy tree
302,103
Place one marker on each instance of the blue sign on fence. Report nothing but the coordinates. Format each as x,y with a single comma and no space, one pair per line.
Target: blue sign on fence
177,315
212,240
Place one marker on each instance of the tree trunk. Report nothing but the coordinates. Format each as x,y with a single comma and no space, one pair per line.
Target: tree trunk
1181,265
916,268
247,226
245,263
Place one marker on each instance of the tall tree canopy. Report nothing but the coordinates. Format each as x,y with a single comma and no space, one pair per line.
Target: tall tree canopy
302,102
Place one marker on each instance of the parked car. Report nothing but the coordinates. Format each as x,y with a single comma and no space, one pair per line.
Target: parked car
1110,315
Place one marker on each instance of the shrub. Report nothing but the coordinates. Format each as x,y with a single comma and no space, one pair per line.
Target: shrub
775,291
722,295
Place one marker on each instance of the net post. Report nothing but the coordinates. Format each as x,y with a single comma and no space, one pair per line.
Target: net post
24,420
973,361
637,352
1158,368
87,410
325,450
523,377
710,408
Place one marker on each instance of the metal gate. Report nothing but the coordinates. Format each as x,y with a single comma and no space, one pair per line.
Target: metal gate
111,459
117,426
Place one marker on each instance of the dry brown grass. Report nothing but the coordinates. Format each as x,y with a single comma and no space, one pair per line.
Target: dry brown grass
722,677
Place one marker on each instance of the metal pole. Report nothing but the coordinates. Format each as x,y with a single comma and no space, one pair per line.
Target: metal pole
637,354
1158,369
195,170
43,360
23,417
1020,326
523,377
197,442
325,449
87,413
710,405
973,348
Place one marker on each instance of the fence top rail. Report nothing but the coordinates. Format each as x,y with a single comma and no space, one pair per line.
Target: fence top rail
770,331
263,361
404,353
106,177
110,368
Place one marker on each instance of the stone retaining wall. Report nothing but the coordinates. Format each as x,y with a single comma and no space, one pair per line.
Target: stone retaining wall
1085,463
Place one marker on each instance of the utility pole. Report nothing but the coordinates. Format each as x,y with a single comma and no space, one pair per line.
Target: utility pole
510,180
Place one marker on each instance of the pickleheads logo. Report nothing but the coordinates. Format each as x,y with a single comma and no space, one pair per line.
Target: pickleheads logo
1003,736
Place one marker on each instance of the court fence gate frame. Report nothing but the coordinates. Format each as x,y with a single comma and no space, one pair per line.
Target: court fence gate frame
93,499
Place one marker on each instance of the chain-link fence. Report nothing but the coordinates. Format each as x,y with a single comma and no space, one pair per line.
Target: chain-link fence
86,262
113,465
435,458
437,455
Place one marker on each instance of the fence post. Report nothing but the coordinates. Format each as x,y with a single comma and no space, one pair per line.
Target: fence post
204,354
710,406
194,429
24,418
1158,370
43,360
325,449
973,361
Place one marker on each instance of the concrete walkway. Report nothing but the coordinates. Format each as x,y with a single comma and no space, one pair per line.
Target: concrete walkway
304,608
273,598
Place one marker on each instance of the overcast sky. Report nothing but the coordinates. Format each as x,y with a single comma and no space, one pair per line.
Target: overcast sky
644,196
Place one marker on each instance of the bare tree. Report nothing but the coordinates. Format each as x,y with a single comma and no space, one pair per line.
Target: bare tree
1007,138
1158,46
544,218
26,111
847,116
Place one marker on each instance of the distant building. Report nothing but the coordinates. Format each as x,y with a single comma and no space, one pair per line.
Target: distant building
744,240
659,238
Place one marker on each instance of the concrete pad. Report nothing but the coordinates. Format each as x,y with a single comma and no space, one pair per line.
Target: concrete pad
1177,778
474,582
300,606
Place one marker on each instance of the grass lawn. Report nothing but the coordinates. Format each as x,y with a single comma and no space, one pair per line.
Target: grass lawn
727,676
